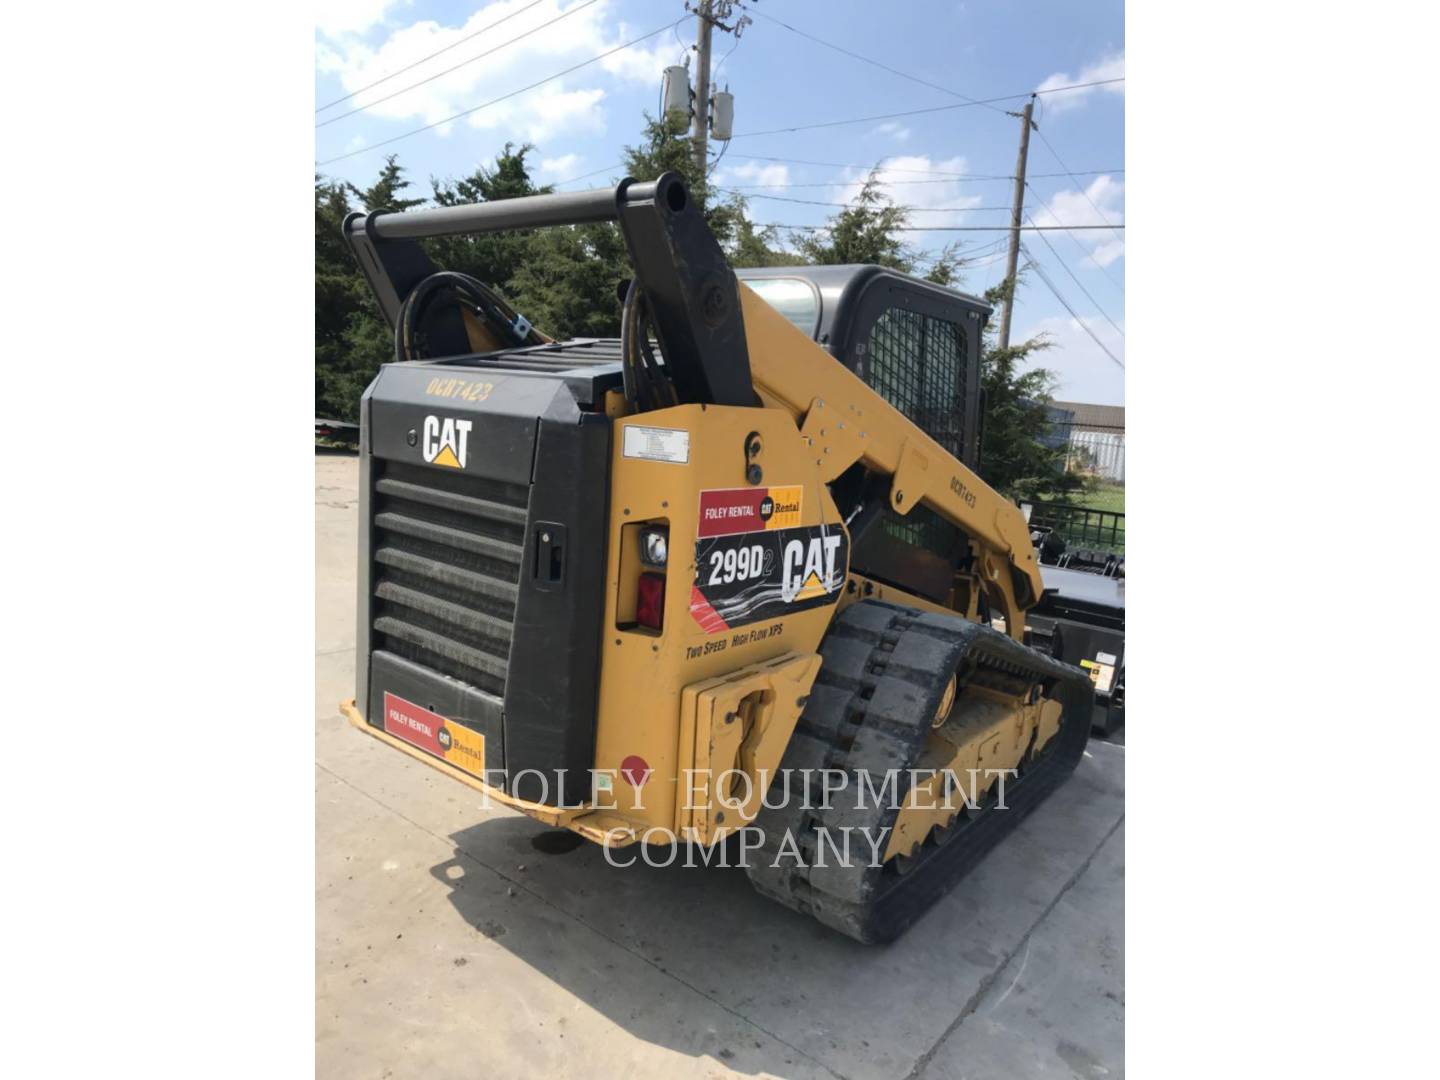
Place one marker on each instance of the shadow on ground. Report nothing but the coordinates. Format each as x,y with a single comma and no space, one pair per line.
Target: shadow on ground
823,1000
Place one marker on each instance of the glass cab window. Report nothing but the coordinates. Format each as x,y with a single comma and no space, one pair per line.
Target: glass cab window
792,297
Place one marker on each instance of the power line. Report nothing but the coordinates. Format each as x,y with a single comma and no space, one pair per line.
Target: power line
1066,267
843,181
907,209
920,172
432,56
971,228
504,97
1086,194
873,63
586,176
1040,270
931,109
1083,250
440,74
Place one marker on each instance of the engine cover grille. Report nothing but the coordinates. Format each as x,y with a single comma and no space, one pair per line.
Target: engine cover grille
447,554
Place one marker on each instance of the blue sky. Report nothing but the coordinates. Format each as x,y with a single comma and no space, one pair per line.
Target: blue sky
934,161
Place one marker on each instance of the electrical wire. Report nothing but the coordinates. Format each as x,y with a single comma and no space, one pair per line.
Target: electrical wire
440,74
431,56
908,209
1081,247
1040,270
971,228
1079,284
1099,213
586,176
920,172
843,181
931,109
873,63
502,97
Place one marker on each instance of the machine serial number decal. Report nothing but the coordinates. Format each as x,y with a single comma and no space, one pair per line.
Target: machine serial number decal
463,389
766,574
727,511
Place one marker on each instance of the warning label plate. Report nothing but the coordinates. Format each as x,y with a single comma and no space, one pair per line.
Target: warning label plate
657,444
431,732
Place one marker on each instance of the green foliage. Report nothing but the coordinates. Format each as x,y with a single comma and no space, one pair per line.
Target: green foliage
863,232
1013,458
494,258
569,284
945,270
351,339
759,247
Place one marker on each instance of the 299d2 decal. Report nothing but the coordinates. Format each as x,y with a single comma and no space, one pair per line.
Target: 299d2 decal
744,575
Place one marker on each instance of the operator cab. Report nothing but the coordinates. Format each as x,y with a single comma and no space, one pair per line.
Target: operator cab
917,345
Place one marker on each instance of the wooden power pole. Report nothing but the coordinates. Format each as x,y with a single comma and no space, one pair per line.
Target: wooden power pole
1017,215
700,121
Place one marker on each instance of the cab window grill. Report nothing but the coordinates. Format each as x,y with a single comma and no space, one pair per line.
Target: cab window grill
917,363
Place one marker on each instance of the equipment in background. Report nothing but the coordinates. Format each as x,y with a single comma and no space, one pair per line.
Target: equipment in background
623,584
1080,619
1081,616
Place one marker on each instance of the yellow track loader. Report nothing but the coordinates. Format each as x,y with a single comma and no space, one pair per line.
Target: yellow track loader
730,578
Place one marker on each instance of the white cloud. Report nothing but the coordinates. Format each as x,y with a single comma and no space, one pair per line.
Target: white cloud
1083,371
563,165
1102,203
570,104
1110,67
752,173
337,18
749,174
950,194
898,132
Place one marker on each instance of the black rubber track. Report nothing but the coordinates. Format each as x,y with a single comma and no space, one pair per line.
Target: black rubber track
884,673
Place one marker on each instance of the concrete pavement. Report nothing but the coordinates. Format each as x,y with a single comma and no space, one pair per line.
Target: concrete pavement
449,944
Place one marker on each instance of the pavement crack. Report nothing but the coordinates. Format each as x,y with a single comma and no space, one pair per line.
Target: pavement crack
522,885
1024,943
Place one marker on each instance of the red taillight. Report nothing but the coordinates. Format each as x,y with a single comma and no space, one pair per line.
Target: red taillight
650,601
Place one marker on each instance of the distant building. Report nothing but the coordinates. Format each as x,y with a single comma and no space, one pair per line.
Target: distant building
1095,435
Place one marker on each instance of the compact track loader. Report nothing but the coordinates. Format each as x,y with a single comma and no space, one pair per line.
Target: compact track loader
730,576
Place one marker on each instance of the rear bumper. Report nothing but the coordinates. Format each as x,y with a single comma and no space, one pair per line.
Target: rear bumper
603,827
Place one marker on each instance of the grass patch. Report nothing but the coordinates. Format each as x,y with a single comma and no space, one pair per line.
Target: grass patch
1106,496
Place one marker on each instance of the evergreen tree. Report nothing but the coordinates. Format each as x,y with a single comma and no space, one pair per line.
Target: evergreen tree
494,258
1017,457
863,232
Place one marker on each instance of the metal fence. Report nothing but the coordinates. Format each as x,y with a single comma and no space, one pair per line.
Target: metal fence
1081,526
1098,453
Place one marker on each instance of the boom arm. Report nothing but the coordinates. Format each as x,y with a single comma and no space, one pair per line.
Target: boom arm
845,422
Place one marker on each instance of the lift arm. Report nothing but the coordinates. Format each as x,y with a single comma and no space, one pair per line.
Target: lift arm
845,421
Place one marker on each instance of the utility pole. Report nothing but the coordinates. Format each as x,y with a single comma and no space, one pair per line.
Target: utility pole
1017,215
700,122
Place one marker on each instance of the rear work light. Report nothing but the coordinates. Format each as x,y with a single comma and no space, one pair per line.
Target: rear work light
650,601
654,547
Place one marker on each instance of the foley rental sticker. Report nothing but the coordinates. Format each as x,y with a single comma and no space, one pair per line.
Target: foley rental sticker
726,511
431,732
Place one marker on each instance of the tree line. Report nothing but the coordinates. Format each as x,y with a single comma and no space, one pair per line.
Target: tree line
564,280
